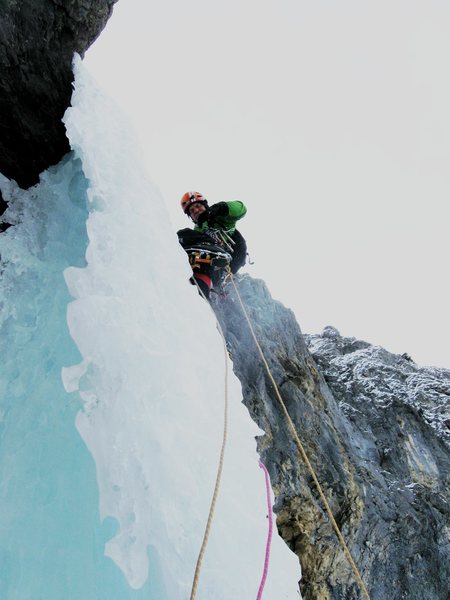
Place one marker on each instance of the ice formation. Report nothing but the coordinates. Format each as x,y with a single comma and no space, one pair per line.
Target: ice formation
145,388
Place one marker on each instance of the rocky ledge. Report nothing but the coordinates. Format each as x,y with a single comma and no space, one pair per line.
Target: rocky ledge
375,427
37,42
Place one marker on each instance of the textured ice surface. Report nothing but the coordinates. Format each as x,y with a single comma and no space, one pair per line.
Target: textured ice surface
51,537
152,385
145,388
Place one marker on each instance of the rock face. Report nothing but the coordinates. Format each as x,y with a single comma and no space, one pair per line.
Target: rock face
375,429
37,42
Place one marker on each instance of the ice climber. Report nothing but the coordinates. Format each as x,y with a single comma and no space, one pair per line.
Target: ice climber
214,243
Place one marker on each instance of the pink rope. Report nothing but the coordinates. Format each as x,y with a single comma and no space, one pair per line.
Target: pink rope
269,536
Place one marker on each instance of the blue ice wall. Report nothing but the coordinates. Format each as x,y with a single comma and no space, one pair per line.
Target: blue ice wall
51,538
144,451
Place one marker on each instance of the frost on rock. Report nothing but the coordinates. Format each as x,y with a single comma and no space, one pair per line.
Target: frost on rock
362,375
398,423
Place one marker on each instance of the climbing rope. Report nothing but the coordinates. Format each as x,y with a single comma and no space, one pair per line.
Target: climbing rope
220,467
302,449
269,535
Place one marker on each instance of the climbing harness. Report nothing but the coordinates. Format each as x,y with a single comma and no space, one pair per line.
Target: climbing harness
220,466
269,535
199,256
301,448
209,263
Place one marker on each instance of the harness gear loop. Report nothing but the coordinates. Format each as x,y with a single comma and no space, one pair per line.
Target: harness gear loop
302,449
220,466
224,239
229,238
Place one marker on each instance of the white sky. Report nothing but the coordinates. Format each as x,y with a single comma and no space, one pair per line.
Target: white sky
331,121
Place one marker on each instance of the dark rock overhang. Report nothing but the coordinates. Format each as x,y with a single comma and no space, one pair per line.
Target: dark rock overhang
37,41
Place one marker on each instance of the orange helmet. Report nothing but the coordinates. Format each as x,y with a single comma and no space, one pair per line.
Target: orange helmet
190,198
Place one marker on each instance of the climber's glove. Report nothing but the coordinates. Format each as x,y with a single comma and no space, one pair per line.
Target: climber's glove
202,217
216,210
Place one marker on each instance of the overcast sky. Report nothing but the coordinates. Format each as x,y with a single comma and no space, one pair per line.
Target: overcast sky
331,121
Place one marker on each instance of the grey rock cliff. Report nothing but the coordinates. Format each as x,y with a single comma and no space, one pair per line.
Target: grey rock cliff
37,42
375,428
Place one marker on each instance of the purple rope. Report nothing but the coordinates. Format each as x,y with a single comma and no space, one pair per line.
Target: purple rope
269,536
